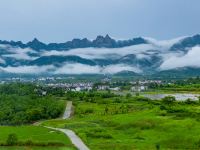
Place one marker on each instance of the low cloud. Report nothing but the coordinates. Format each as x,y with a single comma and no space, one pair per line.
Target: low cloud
191,59
20,53
77,68
2,61
102,53
70,68
27,69
164,44
141,51
112,69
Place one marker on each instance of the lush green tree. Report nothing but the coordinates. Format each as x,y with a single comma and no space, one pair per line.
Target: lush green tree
21,104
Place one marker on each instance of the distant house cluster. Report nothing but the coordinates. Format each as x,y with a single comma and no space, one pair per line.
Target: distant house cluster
139,88
107,87
72,86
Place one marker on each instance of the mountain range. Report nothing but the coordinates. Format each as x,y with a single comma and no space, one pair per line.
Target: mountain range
103,55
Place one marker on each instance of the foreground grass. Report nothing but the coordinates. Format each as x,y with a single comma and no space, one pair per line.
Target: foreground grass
142,126
36,148
39,136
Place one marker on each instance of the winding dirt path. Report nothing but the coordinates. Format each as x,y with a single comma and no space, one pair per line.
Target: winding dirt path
68,110
78,143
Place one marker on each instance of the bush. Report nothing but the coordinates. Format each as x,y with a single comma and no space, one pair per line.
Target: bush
12,140
99,133
190,101
137,94
163,113
141,98
169,100
128,95
142,124
89,111
176,110
163,107
29,143
117,100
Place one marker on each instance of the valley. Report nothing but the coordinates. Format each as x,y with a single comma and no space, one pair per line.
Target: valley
101,119
99,75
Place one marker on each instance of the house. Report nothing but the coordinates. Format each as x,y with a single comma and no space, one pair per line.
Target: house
139,88
103,87
44,93
115,89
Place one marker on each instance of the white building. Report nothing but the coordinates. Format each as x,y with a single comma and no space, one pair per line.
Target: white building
115,89
139,88
103,87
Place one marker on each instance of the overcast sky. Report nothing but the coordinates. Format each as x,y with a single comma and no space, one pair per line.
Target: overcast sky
62,20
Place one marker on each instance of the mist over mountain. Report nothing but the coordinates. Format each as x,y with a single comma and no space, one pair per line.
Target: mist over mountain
103,55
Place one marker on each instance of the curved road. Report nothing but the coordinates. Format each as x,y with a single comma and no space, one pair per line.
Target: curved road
78,143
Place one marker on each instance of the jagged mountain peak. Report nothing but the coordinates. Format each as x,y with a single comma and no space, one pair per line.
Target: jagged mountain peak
35,40
186,43
100,42
101,55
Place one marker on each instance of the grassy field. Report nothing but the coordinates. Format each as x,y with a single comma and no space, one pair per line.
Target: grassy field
135,124
170,92
39,138
155,92
36,148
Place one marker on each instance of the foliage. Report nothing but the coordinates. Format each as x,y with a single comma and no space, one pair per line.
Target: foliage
32,136
169,100
12,140
22,105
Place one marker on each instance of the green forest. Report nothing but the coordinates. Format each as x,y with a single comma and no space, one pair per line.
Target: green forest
23,104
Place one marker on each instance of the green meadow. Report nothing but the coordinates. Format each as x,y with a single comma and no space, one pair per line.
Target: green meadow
34,138
135,123
36,148
103,120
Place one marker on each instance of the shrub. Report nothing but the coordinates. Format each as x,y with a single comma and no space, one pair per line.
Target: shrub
163,113
128,95
29,143
98,133
190,101
12,140
137,94
169,100
157,146
141,98
142,124
176,110
162,107
117,100
89,110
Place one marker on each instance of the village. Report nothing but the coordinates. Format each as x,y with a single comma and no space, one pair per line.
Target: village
133,86
104,84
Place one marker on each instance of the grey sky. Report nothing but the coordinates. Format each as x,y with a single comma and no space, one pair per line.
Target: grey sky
62,20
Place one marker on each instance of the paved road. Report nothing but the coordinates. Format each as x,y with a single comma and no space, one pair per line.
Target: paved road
68,110
78,143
